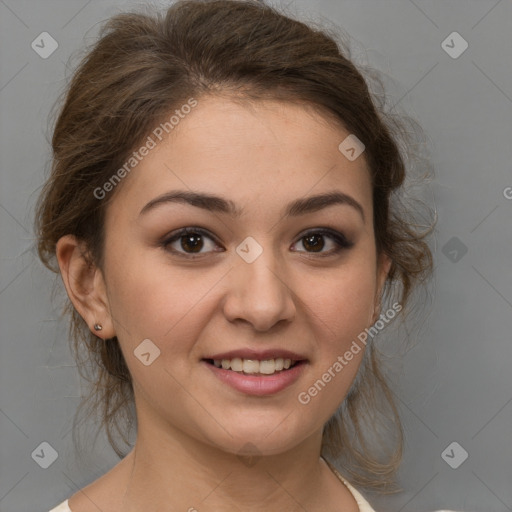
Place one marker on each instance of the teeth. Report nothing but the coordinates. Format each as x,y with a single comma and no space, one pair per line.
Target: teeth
268,367
252,366
236,364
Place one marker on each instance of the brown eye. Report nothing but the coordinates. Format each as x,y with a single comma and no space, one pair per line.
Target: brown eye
314,242
189,241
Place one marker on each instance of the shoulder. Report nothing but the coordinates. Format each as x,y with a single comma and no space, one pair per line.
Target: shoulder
63,507
363,505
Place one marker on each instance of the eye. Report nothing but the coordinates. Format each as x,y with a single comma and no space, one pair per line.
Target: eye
190,239
313,241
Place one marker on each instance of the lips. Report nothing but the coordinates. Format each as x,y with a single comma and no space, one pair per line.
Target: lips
258,384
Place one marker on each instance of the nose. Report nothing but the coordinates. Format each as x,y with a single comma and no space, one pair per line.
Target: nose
259,294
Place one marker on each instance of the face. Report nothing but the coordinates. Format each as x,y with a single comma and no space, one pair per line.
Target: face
261,275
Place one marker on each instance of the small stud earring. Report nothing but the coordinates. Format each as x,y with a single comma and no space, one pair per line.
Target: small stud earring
97,327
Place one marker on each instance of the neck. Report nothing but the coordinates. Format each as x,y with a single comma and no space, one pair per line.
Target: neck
173,471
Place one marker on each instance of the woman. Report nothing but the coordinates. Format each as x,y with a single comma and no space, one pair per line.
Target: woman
220,211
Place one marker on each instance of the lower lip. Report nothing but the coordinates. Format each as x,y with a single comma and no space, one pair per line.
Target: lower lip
258,385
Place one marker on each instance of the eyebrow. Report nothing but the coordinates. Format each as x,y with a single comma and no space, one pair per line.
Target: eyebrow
219,204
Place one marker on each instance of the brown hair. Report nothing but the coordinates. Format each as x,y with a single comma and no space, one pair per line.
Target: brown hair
144,66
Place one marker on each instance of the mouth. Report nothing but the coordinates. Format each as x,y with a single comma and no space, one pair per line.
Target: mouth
256,367
259,375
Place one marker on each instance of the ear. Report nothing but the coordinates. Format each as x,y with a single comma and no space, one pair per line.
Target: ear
85,285
383,268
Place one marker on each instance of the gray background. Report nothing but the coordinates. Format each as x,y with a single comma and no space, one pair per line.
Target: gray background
455,381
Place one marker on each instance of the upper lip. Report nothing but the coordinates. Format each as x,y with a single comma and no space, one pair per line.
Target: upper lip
260,355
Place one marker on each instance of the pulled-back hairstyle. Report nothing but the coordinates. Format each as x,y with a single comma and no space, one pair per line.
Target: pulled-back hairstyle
143,67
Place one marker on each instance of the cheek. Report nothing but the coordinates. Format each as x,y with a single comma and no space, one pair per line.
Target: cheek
342,301
152,299
341,310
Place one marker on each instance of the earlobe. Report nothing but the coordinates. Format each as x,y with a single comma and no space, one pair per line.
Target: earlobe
85,285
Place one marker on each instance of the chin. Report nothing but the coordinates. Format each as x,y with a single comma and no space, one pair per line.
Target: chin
268,437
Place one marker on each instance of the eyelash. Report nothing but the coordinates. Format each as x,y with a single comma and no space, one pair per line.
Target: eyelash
339,238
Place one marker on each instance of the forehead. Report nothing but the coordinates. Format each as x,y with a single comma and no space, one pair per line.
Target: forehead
259,154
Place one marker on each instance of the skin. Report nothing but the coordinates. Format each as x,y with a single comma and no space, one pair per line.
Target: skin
191,426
